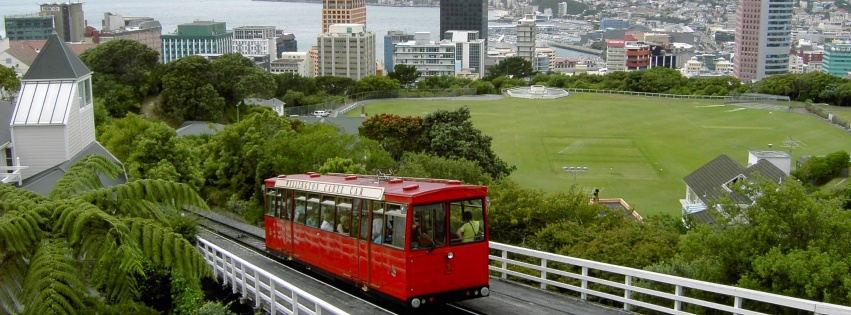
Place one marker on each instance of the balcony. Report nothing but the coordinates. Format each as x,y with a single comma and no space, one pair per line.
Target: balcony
12,174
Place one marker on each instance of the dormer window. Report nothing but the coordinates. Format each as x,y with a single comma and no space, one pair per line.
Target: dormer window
84,90
729,184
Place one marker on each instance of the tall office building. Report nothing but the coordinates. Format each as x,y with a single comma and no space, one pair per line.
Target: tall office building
392,38
431,58
346,50
343,12
526,38
68,20
562,9
197,38
837,59
763,38
255,41
33,26
464,15
470,50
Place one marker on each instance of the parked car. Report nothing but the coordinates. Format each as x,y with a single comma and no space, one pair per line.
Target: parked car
321,113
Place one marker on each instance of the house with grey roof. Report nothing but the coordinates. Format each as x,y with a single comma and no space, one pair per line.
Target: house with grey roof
275,104
712,183
51,124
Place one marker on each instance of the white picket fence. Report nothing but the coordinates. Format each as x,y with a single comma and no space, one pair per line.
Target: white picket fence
267,291
509,262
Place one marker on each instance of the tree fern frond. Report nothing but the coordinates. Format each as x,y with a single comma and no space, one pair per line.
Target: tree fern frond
53,283
172,251
84,175
13,198
153,190
13,268
19,231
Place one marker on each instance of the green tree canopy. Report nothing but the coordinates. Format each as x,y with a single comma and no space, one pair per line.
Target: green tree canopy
428,166
405,74
451,134
57,251
121,70
513,67
152,150
396,134
373,83
334,85
9,82
189,91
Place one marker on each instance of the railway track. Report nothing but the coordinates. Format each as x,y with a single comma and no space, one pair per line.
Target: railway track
253,238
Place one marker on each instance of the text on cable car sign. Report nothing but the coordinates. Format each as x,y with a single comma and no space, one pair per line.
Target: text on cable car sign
335,189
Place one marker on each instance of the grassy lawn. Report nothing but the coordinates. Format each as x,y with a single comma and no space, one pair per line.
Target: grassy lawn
636,148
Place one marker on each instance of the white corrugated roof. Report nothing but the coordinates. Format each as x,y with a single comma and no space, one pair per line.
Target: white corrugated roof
43,103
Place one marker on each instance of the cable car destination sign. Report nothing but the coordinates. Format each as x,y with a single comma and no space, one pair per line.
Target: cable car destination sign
357,191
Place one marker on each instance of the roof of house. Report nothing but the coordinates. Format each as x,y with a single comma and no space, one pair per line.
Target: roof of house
272,102
56,61
43,182
709,180
196,128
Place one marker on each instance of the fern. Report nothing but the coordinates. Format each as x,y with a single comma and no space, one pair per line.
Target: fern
12,271
52,280
19,231
167,248
84,175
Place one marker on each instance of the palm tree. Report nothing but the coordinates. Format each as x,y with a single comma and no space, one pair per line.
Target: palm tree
83,247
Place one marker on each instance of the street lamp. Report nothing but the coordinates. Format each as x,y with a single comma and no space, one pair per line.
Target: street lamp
575,170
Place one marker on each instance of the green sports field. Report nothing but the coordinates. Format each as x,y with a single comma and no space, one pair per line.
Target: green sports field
636,148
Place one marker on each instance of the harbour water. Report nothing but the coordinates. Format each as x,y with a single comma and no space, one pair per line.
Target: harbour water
300,18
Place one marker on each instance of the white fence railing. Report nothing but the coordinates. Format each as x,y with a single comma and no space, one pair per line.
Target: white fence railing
636,290
268,292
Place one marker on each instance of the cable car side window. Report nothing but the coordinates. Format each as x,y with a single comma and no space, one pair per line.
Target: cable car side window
272,196
428,229
466,219
379,229
300,201
360,215
344,216
312,211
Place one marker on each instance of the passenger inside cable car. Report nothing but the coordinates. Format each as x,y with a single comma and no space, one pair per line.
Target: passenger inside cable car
343,226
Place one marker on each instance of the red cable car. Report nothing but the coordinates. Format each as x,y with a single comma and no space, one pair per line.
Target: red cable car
414,241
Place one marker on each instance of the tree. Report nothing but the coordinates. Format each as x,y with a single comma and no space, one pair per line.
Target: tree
405,74
237,77
341,165
9,82
396,134
121,70
428,166
287,82
513,67
451,134
334,85
373,83
56,250
189,92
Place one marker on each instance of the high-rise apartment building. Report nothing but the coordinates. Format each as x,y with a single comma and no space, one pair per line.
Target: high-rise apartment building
464,15
526,28
836,59
255,41
562,9
346,50
33,26
68,20
616,55
470,51
763,38
343,12
197,38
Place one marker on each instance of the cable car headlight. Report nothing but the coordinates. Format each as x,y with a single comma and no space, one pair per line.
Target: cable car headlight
485,291
450,255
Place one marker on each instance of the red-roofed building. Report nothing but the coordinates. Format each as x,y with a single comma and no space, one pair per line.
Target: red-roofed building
21,54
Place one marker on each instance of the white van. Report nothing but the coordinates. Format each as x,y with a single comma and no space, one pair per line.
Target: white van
321,113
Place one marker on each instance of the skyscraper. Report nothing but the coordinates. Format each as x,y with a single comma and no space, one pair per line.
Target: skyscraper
763,38
526,29
464,15
343,12
68,20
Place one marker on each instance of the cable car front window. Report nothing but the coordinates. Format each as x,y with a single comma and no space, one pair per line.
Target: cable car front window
428,229
467,222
